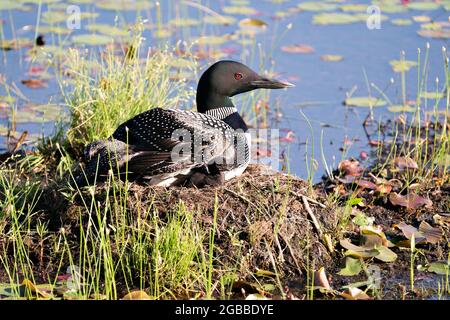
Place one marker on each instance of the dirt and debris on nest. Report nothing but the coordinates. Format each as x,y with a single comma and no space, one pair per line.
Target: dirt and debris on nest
263,210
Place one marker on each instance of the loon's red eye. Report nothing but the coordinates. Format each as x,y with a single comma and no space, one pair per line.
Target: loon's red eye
238,76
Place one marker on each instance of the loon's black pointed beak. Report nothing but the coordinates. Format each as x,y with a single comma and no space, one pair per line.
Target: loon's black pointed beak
266,83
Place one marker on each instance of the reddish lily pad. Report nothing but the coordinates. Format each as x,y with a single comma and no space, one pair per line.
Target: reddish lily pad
410,201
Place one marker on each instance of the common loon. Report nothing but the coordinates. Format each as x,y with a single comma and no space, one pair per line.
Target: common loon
168,147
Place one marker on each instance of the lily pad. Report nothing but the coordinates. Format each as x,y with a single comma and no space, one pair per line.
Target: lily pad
219,20
431,26
12,5
124,5
441,268
162,33
421,19
331,57
107,29
40,1
184,22
92,39
364,102
243,10
54,29
423,6
15,44
401,22
335,18
52,17
432,95
317,6
250,22
401,108
181,63
212,40
385,254
438,34
410,201
352,267
354,7
402,65
298,48
387,7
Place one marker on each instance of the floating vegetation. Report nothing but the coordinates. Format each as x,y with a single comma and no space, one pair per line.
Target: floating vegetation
184,22
15,44
107,29
317,6
247,11
124,5
423,6
331,57
220,20
437,34
402,65
354,7
52,17
432,95
402,108
401,22
12,5
92,39
298,48
364,102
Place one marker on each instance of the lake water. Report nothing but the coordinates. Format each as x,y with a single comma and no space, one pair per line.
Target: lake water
321,86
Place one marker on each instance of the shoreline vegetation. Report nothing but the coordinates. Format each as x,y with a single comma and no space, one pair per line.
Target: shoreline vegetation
375,229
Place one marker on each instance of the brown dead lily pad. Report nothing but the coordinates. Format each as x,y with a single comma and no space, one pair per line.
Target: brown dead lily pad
410,201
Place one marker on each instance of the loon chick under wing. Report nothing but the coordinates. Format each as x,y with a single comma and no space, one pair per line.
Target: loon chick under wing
170,147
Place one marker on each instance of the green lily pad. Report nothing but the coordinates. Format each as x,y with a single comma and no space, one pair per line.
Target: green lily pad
181,63
402,65
54,29
12,5
162,33
52,17
401,22
401,108
432,95
219,20
354,7
83,1
107,30
364,102
439,268
431,26
92,39
243,10
15,44
184,22
7,99
386,254
317,6
438,34
390,7
331,57
352,267
334,18
39,1
212,40
424,6
124,5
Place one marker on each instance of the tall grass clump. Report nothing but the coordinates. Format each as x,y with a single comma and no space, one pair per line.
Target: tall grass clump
109,89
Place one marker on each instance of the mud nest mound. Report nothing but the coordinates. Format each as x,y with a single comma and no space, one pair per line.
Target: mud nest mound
276,219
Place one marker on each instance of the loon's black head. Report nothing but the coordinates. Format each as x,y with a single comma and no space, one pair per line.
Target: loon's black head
227,78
